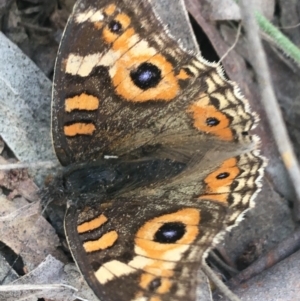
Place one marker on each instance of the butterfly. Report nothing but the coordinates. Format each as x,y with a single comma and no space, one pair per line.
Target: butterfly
157,148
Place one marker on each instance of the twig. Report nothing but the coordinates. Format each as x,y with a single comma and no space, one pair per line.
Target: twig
233,45
282,250
34,287
259,63
218,283
221,263
33,165
290,27
36,27
29,287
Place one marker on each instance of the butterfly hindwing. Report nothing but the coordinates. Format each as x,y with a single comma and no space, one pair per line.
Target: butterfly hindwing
134,260
148,245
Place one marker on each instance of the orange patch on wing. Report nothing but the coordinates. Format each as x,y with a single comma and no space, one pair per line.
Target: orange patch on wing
158,250
122,43
92,225
79,128
110,9
221,198
202,111
104,242
82,102
166,89
98,25
139,295
155,298
165,286
122,38
218,189
187,216
123,19
109,36
182,75
157,268
145,236
146,279
156,271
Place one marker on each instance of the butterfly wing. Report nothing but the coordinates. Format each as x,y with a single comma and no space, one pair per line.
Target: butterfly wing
148,245
123,85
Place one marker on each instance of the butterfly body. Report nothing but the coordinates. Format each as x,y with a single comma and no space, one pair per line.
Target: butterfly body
183,164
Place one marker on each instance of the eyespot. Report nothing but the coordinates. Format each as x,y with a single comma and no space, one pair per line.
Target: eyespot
146,76
115,26
222,175
170,232
212,121
154,284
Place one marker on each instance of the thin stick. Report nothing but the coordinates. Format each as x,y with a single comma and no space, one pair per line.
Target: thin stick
280,252
219,284
259,63
34,287
238,34
33,165
224,265
30,287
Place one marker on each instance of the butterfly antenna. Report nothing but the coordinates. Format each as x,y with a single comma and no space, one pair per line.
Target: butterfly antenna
218,283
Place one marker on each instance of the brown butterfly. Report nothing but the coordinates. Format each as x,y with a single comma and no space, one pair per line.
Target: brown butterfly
158,152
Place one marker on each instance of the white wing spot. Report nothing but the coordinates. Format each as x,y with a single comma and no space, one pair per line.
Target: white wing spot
89,15
103,275
73,63
140,299
98,16
88,63
112,269
119,268
83,17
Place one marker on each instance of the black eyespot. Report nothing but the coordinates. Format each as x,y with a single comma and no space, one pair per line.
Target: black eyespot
146,76
223,175
169,232
154,284
115,26
212,121
245,133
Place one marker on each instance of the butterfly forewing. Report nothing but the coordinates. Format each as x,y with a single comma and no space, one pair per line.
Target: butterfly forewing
120,88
